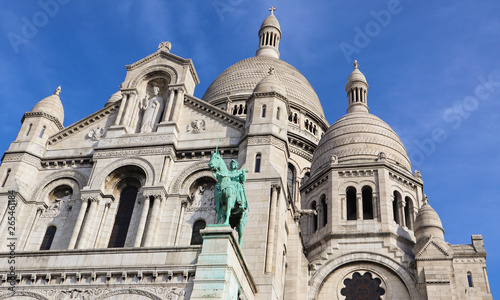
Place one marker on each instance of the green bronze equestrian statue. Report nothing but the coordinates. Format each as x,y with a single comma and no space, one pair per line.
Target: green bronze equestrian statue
231,203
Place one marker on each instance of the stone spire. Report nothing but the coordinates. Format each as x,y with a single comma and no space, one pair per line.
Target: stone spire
51,105
269,36
357,91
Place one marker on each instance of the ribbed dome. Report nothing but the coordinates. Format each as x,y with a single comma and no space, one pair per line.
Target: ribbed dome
242,78
270,84
427,217
115,97
356,75
51,105
359,137
271,21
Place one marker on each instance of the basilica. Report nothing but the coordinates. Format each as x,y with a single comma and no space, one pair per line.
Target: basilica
122,204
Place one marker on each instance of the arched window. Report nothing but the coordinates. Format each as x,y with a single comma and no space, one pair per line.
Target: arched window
235,109
29,129
469,279
245,109
277,113
6,177
48,238
263,111
295,119
123,216
314,217
409,213
351,203
240,110
257,163
290,117
307,124
41,132
395,211
196,238
324,206
291,179
314,129
367,196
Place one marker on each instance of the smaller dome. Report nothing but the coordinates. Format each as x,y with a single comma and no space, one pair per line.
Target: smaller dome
427,218
270,84
356,76
271,21
115,97
51,105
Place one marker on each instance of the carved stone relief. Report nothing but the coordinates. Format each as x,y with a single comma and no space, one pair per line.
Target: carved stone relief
196,126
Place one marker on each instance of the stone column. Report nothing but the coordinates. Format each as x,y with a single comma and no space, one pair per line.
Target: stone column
270,234
122,107
127,114
151,231
401,209
78,224
89,224
359,207
101,224
343,204
168,105
179,103
179,223
38,213
375,207
142,222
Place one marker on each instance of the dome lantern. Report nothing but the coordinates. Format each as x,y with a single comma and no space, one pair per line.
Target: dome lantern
269,36
51,105
357,91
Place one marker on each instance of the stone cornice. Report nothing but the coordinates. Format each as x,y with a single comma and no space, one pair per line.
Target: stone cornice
214,111
45,115
169,56
83,123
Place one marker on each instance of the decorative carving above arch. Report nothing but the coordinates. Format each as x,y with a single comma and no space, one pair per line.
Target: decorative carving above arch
97,183
181,185
319,277
75,175
168,70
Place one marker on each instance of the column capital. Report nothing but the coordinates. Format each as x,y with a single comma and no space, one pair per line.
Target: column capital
276,186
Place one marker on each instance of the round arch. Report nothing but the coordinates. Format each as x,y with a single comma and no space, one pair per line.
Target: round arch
181,184
19,294
72,175
171,72
322,273
97,183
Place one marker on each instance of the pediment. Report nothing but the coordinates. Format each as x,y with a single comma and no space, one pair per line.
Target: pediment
90,128
213,112
433,250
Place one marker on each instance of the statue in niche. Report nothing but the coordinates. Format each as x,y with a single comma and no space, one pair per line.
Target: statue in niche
152,110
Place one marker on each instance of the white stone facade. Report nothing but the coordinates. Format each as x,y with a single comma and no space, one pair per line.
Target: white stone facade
111,207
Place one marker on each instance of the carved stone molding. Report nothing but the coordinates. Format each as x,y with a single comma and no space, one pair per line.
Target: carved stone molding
71,163
84,123
23,157
45,115
400,179
135,152
301,153
216,112
357,173
136,141
196,126
316,183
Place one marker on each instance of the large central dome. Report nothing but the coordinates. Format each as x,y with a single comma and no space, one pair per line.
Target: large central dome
242,77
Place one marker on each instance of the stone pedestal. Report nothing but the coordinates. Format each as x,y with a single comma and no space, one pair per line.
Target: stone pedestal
221,271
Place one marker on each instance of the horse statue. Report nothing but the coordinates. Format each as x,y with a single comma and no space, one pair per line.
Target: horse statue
231,203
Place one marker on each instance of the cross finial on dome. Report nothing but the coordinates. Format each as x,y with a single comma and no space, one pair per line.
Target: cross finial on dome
271,71
272,9
356,65
58,91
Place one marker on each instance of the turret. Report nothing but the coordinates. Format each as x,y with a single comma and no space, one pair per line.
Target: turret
269,36
357,91
45,119
427,225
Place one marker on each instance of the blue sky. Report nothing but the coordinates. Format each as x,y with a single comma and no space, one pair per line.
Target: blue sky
433,71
